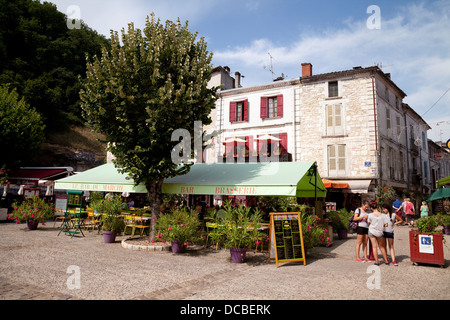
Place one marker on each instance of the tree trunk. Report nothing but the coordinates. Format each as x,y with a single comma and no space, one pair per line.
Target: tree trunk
155,196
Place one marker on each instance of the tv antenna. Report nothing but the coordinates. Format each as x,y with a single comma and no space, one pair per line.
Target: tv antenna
272,70
380,65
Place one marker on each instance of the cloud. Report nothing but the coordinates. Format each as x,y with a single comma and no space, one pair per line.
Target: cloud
413,46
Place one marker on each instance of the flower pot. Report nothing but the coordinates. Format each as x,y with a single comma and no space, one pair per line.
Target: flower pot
342,234
109,236
178,247
32,224
238,254
447,229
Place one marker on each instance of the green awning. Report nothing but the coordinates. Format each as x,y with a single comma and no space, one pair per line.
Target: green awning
104,178
440,194
246,179
249,179
443,182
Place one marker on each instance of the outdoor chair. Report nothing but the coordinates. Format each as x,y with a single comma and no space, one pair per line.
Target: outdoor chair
92,221
135,222
59,215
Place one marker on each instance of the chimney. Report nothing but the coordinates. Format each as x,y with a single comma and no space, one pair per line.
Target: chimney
306,69
237,80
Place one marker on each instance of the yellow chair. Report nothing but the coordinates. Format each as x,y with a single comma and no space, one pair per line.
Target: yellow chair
129,223
59,215
92,221
139,224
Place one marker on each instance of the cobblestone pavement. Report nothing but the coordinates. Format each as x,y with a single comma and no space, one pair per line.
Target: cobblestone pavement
36,265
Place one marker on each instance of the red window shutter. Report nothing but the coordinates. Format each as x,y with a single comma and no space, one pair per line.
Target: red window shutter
232,111
280,105
283,142
246,110
263,107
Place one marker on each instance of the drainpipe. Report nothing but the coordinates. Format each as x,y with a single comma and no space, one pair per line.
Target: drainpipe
408,183
294,159
377,153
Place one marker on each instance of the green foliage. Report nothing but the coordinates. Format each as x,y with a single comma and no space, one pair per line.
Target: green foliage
339,219
42,58
427,224
21,129
443,219
181,225
32,209
152,82
313,233
386,194
111,207
239,228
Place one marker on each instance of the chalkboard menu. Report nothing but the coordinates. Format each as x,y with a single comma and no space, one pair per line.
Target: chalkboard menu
286,237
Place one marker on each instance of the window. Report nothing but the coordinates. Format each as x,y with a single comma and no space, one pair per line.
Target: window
239,111
334,119
386,93
272,107
336,160
388,120
399,129
333,89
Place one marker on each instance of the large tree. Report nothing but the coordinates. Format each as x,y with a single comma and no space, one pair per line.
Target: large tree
21,130
149,84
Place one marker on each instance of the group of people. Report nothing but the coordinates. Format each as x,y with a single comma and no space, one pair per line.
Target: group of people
378,227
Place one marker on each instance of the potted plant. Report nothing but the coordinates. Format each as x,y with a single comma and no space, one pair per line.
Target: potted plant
339,220
313,233
444,220
180,228
32,210
238,230
112,224
426,242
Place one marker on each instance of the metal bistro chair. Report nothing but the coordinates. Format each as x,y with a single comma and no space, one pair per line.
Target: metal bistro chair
59,215
92,221
139,224
129,223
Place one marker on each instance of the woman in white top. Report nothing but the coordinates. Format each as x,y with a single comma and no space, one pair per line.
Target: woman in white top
389,230
362,232
377,222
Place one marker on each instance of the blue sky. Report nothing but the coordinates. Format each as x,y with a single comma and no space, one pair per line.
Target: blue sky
411,43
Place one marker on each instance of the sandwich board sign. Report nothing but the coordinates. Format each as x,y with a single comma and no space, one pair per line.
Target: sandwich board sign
286,238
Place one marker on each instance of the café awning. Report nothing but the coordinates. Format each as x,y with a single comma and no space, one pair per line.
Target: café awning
246,179
104,178
298,179
332,184
442,182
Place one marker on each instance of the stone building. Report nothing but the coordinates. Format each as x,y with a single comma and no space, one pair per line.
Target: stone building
353,123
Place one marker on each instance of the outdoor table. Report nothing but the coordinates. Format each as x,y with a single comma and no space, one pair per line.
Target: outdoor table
70,227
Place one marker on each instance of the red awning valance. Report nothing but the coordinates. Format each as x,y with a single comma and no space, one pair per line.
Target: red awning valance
332,184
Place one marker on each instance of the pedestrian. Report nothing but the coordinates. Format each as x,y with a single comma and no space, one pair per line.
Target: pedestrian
424,209
377,222
409,210
394,220
362,230
397,207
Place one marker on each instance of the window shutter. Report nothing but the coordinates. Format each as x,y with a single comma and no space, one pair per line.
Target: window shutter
249,144
263,107
280,105
246,110
232,111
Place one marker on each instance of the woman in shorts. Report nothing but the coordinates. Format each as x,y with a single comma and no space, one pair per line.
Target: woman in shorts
362,230
377,222
389,230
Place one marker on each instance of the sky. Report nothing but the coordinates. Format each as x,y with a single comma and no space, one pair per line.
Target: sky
265,39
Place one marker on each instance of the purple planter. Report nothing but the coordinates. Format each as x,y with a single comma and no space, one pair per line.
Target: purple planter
178,247
32,224
109,236
238,254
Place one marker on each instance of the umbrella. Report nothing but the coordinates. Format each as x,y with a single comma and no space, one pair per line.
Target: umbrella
440,194
268,137
231,140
